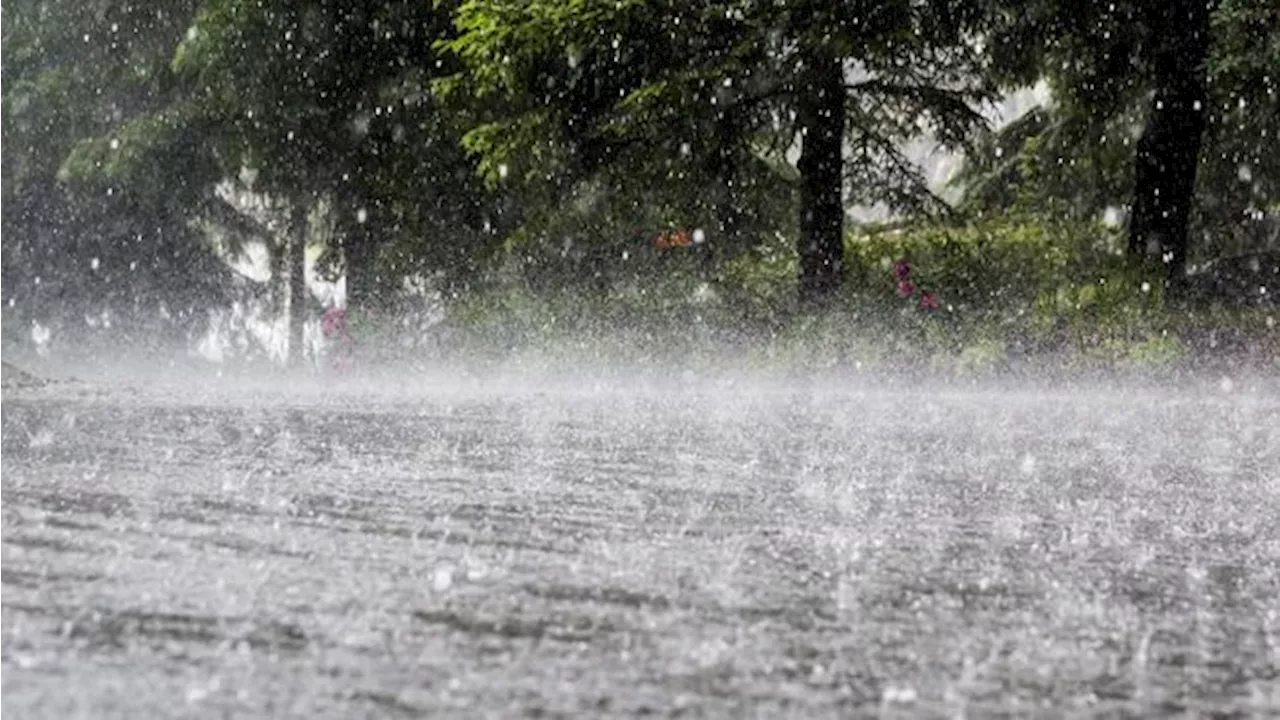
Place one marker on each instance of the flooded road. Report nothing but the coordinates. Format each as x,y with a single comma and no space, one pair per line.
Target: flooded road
732,550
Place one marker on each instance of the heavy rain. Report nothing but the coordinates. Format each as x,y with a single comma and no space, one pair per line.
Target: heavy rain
752,359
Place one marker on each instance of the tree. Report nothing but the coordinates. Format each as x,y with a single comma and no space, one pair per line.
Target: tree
1168,151
1164,109
101,255
330,99
592,86
1238,183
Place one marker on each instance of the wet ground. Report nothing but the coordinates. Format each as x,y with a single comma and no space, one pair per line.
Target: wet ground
730,550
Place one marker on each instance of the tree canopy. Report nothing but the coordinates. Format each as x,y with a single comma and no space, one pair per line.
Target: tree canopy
77,74
568,142
1112,68
690,96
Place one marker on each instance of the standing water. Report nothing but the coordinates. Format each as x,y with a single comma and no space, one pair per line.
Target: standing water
624,548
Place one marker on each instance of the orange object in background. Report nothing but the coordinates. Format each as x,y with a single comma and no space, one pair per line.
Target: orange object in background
672,239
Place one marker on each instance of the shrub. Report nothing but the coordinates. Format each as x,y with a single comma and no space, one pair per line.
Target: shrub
964,299
1028,286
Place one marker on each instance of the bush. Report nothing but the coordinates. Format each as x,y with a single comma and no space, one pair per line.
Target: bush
983,297
1024,287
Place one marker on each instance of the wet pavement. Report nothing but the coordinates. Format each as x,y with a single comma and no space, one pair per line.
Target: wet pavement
729,550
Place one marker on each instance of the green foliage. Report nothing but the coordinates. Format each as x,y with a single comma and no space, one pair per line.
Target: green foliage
332,99
1013,293
762,283
602,127
1075,157
1239,177
94,229
1052,163
519,158
977,266
1041,287
685,112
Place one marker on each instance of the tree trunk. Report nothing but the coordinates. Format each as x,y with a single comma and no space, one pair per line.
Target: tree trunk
822,119
358,253
722,241
279,248
299,297
1168,151
725,238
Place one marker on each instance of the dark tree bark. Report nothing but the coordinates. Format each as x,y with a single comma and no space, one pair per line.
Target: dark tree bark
726,203
277,252
726,237
298,294
821,115
358,253
1169,149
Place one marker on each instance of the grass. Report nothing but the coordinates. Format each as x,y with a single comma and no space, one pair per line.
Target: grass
1013,297
1016,297
864,336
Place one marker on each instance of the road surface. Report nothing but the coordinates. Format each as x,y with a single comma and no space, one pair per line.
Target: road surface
730,549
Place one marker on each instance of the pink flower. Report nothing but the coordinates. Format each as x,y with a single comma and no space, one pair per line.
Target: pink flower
929,301
901,269
334,322
905,288
340,348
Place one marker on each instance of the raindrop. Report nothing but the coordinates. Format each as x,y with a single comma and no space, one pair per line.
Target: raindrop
40,334
41,438
1028,464
362,215
442,578
899,695
477,571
